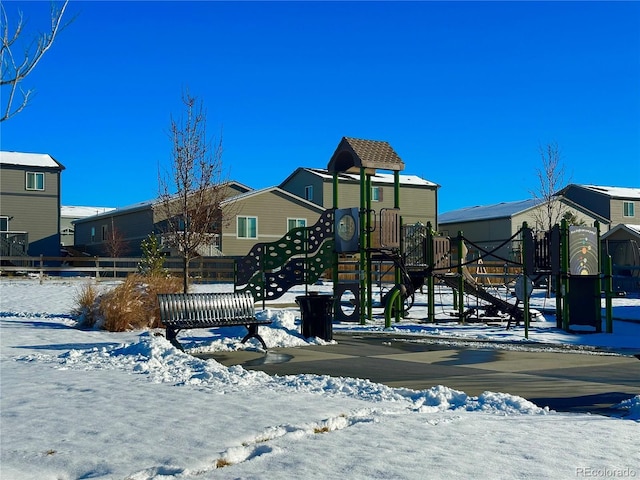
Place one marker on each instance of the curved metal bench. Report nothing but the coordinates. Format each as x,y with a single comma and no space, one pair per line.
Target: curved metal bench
208,310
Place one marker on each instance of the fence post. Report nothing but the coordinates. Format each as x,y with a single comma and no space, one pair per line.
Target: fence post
97,259
41,268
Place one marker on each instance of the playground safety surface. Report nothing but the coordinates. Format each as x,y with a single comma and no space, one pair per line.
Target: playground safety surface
565,381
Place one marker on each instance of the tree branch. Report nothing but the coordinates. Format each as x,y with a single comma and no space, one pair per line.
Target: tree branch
13,71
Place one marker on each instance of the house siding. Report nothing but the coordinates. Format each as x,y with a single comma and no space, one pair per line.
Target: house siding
617,212
134,226
596,202
417,203
272,209
303,178
605,205
32,211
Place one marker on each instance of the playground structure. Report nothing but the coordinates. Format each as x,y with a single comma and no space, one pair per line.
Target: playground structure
415,257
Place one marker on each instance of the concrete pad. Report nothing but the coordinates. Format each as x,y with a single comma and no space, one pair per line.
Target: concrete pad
561,380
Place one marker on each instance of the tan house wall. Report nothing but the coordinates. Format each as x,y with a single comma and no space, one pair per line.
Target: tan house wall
417,203
617,213
272,209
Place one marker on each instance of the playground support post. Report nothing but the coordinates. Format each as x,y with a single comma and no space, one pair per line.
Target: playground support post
398,274
608,292
335,276
431,312
598,283
368,247
460,279
564,272
363,233
525,277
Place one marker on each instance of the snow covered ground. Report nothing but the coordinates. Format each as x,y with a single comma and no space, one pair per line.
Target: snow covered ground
79,404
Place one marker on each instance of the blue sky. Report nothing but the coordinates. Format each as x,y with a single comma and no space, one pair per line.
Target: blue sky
465,92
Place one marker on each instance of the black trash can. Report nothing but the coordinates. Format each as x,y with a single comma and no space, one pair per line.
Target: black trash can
316,316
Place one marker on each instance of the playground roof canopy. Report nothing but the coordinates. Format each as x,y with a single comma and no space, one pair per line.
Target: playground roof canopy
354,153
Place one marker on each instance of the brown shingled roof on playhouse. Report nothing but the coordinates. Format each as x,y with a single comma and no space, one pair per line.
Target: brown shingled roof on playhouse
354,153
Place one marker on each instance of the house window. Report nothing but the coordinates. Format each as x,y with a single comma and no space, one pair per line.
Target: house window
4,224
35,181
93,234
104,232
296,222
308,192
376,194
247,227
627,209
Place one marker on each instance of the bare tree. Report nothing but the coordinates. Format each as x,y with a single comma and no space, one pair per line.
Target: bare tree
551,178
16,68
191,193
115,244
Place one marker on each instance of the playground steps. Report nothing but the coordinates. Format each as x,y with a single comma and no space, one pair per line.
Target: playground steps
473,288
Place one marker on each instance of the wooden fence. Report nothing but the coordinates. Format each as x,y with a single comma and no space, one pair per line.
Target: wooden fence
203,269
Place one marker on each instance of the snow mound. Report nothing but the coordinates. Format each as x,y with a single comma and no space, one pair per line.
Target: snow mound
153,356
633,405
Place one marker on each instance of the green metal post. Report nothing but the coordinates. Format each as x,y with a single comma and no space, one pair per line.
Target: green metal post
368,249
564,272
398,273
608,292
558,280
525,277
362,262
431,310
336,261
598,282
460,279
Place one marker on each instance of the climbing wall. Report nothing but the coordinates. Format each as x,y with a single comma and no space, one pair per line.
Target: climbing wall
270,269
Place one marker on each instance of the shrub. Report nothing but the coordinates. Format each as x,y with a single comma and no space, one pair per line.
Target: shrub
87,306
152,262
131,305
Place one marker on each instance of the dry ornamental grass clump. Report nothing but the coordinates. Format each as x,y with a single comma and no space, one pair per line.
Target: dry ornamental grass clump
132,305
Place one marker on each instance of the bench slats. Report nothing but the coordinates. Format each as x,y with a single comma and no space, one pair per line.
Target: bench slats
208,310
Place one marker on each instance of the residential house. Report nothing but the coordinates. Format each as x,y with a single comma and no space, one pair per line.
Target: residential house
263,216
133,224
266,215
29,204
418,197
619,205
490,226
69,214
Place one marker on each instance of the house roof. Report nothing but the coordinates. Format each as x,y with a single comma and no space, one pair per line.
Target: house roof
507,210
354,153
613,192
633,230
117,211
81,212
378,178
143,205
43,160
478,212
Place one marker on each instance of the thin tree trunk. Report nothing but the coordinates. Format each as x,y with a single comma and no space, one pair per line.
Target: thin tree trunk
185,273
